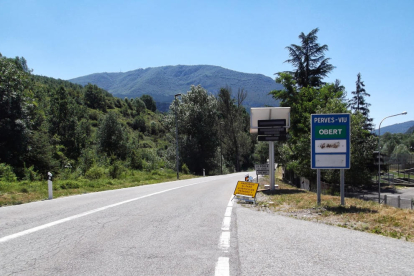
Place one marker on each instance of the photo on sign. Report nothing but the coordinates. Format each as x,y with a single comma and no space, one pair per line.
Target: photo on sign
333,146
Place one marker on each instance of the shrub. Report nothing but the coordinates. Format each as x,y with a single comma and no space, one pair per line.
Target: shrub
116,170
184,169
135,160
6,173
69,185
30,174
95,173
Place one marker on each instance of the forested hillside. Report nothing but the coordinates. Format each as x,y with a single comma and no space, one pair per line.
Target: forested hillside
83,132
397,128
162,83
52,125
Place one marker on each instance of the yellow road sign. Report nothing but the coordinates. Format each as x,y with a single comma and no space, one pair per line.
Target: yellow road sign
246,188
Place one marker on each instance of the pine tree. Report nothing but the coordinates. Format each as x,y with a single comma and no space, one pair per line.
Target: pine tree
309,60
359,104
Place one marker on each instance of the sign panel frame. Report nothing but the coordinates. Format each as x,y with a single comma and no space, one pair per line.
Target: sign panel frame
331,141
246,188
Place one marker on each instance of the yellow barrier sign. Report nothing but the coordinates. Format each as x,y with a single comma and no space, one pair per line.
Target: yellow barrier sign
246,188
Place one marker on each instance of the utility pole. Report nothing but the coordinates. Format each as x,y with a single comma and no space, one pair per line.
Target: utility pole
176,135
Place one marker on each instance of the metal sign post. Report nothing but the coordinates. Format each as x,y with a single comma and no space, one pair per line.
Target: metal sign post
272,165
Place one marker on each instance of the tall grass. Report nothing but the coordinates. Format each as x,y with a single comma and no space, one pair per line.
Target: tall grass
18,192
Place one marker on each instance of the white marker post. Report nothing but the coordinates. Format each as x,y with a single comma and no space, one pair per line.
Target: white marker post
49,185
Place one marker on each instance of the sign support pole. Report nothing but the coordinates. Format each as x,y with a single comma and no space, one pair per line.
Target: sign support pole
318,186
342,184
272,165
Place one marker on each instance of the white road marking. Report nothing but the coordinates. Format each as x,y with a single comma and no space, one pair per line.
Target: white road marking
225,241
47,225
228,212
222,267
226,224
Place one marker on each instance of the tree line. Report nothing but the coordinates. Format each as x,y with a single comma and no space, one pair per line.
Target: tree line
83,131
306,93
54,125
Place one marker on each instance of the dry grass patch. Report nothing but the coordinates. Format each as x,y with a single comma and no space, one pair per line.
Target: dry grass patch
367,216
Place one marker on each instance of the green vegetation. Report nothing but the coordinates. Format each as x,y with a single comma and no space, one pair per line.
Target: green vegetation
91,141
306,94
96,179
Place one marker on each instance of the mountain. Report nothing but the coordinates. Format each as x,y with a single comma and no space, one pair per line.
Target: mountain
397,128
162,83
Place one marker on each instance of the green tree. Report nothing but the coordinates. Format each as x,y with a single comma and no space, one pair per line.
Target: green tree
359,104
197,115
309,60
304,102
234,127
94,97
16,104
149,102
64,115
112,136
139,106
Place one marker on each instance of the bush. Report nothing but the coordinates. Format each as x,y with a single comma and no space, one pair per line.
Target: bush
6,173
184,169
69,185
139,124
135,160
154,128
116,170
95,173
30,174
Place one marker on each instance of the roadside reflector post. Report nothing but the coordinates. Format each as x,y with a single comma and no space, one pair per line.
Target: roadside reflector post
204,172
50,184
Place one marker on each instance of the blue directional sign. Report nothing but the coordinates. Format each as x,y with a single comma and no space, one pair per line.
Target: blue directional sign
330,141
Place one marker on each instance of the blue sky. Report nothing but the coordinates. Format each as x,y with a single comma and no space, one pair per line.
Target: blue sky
68,39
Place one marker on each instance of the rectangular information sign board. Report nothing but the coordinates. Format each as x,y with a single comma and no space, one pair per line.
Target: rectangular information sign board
271,123
246,188
272,131
261,166
262,172
330,141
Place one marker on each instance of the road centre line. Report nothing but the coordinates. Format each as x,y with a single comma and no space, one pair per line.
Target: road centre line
47,225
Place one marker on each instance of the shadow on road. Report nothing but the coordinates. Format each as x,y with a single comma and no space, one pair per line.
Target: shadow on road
349,210
282,192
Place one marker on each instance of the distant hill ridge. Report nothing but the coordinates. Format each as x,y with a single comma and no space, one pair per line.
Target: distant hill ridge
162,83
398,128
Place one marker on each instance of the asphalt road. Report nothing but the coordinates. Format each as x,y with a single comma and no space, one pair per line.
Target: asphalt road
185,227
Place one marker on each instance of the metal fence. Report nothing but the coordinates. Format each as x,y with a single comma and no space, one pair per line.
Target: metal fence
391,200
